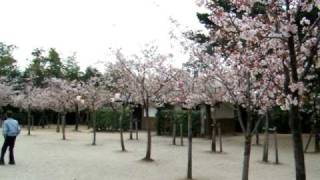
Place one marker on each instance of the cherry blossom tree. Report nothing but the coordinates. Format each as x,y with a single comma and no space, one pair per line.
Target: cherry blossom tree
150,75
95,96
282,36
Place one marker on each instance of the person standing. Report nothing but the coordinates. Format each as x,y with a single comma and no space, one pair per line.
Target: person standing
11,130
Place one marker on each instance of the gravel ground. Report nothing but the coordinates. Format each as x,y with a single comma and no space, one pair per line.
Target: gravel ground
44,156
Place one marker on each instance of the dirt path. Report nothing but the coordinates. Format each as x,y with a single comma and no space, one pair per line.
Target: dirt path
44,156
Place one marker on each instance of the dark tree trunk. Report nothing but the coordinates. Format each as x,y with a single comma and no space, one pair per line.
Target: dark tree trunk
202,122
266,139
94,128
220,137
76,128
214,132
247,146
276,146
208,121
295,125
174,129
131,124
181,134
246,160
120,127
63,126
295,122
29,121
148,153
189,173
88,118
58,123
137,130
257,138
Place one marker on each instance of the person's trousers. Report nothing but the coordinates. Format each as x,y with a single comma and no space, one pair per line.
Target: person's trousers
8,142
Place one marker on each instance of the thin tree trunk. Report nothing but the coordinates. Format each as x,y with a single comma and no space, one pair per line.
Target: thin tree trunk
214,132
208,120
276,146
189,173
131,124
266,139
181,134
94,128
29,121
148,153
203,117
58,123
32,122
220,137
76,128
257,138
88,119
137,131
120,127
174,128
63,126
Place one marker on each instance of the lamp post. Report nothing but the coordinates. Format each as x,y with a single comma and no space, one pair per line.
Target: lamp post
79,100
119,99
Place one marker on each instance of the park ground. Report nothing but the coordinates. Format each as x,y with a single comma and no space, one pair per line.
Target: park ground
44,156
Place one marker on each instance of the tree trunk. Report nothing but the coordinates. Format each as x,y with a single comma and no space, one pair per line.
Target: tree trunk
76,128
131,124
203,117
295,125
137,130
257,138
148,153
58,123
214,132
246,161
120,127
174,128
247,147
63,126
88,119
295,122
220,137
181,134
276,146
208,120
189,173
266,139
29,121
94,128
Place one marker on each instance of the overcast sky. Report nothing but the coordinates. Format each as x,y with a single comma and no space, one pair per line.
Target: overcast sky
90,27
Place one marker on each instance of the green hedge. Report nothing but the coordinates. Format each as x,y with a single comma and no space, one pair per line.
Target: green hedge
166,118
108,120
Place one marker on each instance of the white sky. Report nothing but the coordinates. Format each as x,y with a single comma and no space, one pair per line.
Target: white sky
90,27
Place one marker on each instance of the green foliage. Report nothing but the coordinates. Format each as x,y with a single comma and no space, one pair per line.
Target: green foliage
166,118
7,62
71,69
90,72
53,64
108,120
36,70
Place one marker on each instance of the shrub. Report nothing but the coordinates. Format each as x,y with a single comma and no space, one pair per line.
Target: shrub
108,120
